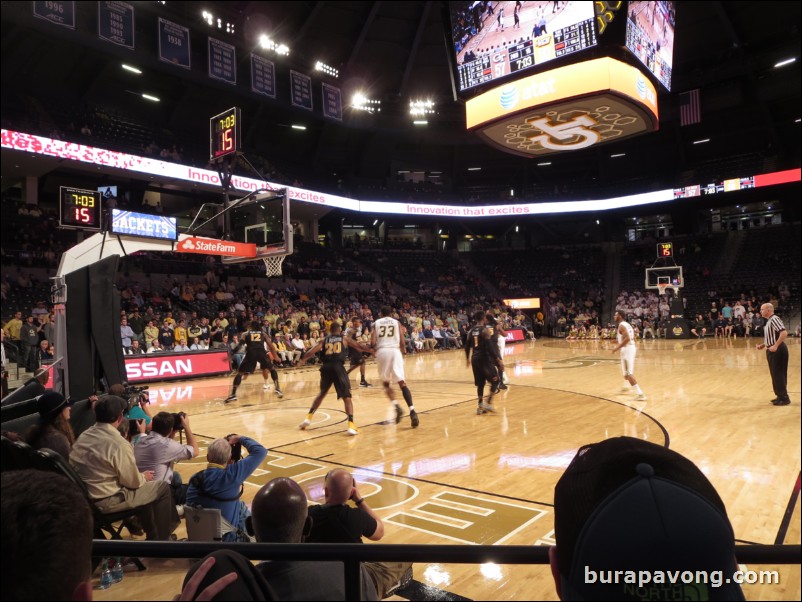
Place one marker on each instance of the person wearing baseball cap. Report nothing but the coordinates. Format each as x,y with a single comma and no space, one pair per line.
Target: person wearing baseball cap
105,461
52,430
636,521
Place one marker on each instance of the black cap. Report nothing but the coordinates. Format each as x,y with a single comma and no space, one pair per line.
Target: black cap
629,506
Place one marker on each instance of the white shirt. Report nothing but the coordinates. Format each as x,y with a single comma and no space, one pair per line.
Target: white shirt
388,333
619,337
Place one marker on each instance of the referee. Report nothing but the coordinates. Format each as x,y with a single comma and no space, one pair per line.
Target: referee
774,334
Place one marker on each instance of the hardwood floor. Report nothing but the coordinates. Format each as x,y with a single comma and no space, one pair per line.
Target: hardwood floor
469,479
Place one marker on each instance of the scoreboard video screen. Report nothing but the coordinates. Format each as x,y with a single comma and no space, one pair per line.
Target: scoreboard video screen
495,39
650,36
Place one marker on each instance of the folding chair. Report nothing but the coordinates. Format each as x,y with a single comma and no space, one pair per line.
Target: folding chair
48,460
204,524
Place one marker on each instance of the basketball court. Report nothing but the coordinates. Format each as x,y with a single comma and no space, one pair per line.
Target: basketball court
469,479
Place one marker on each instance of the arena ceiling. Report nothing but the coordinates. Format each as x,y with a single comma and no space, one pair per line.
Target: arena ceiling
395,51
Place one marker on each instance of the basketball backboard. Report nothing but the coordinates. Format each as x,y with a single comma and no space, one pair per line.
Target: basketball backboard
668,275
263,220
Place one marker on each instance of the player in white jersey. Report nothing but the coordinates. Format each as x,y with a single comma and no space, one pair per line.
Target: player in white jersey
388,341
625,335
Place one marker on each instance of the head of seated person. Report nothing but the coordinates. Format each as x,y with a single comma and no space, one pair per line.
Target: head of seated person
626,512
46,538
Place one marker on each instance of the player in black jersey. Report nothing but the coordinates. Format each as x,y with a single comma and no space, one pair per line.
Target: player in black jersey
332,372
255,352
497,333
485,361
356,357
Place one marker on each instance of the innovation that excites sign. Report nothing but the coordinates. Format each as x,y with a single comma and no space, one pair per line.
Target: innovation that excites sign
130,223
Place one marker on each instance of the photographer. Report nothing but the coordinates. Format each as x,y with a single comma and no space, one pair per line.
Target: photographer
158,451
220,485
137,410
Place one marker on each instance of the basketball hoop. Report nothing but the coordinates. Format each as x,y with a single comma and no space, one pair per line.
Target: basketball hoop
662,289
273,265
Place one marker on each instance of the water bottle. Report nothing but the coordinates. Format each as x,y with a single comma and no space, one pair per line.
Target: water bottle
117,571
105,576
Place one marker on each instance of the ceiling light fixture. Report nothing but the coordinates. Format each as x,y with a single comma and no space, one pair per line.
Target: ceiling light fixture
298,127
702,141
150,97
132,69
544,164
420,122
785,62
618,155
474,169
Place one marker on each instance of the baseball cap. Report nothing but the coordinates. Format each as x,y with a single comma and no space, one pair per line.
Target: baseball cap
49,405
109,407
641,509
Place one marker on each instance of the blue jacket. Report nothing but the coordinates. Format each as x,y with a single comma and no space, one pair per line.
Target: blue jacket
226,482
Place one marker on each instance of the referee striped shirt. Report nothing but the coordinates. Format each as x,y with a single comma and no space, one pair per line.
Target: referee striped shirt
771,331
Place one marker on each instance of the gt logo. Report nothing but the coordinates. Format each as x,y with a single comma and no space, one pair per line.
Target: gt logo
554,133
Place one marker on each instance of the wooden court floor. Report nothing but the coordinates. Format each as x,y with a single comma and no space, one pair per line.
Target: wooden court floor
469,479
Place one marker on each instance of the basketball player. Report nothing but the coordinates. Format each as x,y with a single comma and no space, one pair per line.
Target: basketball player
625,336
501,337
485,360
356,358
332,372
255,341
388,342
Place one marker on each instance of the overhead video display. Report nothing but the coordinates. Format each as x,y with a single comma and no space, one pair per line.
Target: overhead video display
650,36
495,39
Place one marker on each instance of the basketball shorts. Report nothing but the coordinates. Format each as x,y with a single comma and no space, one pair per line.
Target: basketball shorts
628,360
484,370
391,364
253,357
333,373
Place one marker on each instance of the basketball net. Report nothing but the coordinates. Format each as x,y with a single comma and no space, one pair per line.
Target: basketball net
273,265
662,289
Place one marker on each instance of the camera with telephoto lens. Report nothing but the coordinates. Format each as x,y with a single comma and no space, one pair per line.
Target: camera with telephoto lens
178,423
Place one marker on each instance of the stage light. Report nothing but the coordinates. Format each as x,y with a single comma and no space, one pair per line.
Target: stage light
418,108
321,66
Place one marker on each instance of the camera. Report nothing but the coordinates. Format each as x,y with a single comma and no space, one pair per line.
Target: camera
135,396
236,449
178,424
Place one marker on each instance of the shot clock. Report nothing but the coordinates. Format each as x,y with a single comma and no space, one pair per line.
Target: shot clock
224,134
665,249
80,209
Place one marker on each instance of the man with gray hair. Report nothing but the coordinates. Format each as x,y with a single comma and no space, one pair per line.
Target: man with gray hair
220,485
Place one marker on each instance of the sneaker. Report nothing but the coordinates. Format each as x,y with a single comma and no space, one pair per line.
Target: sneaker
364,383
399,413
352,430
266,387
479,410
303,426
413,415
231,397
503,387
641,397
781,402
179,508
279,393
487,407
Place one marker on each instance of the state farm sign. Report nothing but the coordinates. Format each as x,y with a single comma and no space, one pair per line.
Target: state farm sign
211,246
153,367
